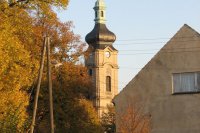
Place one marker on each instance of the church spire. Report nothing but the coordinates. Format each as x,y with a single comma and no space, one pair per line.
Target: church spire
102,63
100,37
100,9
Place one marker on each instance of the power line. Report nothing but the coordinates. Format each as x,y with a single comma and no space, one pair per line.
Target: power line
137,43
144,39
161,38
166,49
129,67
163,52
138,50
158,68
155,40
138,54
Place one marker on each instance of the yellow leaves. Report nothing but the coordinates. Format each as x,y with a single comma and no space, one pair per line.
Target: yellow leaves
15,60
15,63
16,69
89,109
73,111
10,103
21,34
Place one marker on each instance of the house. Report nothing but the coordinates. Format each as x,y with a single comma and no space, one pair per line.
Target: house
168,86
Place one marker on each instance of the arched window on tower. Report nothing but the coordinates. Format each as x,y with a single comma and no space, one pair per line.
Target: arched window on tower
102,14
108,83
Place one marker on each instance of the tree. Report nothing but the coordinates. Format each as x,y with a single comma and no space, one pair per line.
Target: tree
23,26
74,112
133,119
21,33
16,75
108,120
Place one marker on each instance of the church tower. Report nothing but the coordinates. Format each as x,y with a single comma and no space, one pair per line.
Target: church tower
102,61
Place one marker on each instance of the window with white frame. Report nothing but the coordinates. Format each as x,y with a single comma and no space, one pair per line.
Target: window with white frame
186,82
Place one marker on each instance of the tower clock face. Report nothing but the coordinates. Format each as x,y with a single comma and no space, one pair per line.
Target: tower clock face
107,54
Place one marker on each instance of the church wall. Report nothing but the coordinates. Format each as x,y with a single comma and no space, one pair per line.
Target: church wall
105,68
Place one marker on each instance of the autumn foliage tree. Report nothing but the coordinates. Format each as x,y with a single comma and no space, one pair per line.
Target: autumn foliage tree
17,70
130,117
73,110
133,119
108,120
22,28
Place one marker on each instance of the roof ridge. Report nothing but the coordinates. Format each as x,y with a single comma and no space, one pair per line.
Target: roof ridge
186,25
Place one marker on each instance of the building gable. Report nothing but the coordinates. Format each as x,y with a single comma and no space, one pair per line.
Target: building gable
153,85
185,41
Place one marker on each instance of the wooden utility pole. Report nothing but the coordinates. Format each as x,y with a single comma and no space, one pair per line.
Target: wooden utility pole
46,46
50,85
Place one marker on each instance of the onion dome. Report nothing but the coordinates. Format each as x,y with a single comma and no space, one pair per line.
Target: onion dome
100,36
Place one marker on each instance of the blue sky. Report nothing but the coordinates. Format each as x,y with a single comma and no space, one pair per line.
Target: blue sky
142,27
